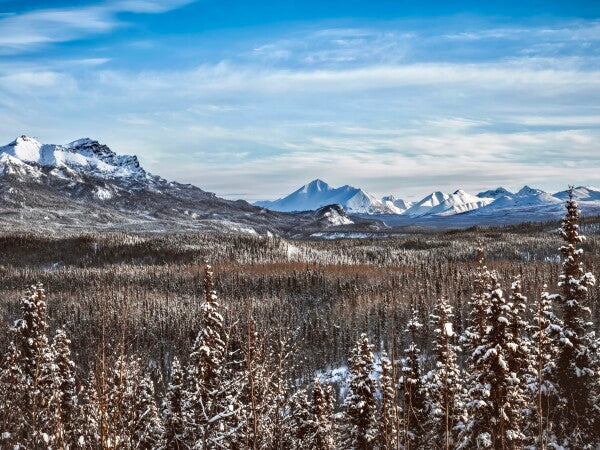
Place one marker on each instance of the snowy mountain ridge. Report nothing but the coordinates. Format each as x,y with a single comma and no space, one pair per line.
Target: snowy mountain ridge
83,155
317,193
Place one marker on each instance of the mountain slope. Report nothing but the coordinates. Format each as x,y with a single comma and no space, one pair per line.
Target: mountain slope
441,204
581,193
84,185
397,205
317,194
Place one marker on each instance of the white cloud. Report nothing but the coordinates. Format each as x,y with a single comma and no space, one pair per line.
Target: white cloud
24,31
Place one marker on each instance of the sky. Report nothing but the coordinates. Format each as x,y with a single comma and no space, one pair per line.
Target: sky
254,99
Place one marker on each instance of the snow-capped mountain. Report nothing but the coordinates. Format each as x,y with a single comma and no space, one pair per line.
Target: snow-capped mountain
441,204
495,193
317,193
85,185
581,193
398,205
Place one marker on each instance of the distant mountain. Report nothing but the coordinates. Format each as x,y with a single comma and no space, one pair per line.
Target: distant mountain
317,194
441,204
494,193
581,193
527,201
84,185
396,204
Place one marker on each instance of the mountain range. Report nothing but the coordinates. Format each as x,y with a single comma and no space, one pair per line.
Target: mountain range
84,185
527,200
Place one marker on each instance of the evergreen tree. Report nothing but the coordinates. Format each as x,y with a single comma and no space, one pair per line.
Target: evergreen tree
173,413
389,417
360,406
322,437
146,424
90,415
64,394
577,422
496,395
415,394
545,332
478,306
12,392
445,382
301,420
207,404
29,365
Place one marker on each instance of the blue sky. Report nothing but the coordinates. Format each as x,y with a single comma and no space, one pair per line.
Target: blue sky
253,99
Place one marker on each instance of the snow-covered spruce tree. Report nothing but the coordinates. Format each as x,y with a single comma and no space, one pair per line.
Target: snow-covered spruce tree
389,416
520,361
12,391
173,413
301,420
322,437
265,389
478,304
446,409
121,393
577,421
207,403
63,403
496,395
360,406
91,415
147,427
29,364
475,434
414,390
541,382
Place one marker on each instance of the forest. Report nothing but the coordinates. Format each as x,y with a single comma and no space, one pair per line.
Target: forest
464,339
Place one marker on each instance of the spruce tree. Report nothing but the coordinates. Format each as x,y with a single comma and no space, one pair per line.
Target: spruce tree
360,406
577,420
13,389
90,414
545,333
207,403
496,395
30,366
322,437
173,413
389,416
478,304
63,402
415,394
445,382
147,427
301,420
